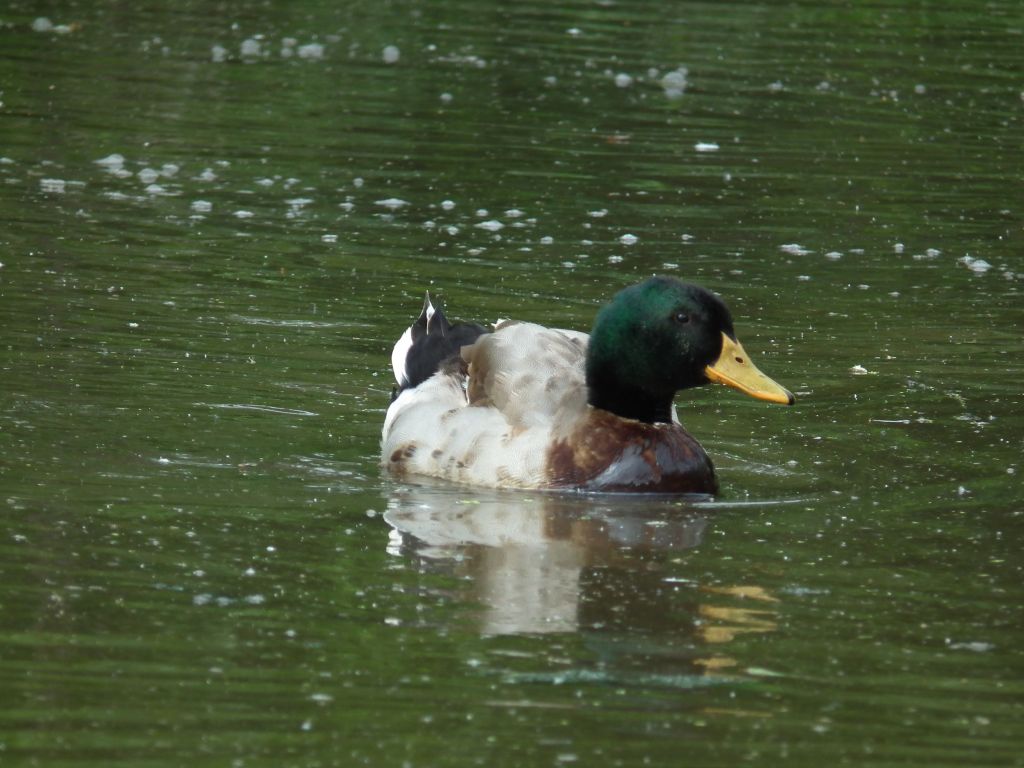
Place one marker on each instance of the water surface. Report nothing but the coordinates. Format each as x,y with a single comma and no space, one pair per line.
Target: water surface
215,224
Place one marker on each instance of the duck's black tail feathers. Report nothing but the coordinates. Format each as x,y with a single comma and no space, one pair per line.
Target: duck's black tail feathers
428,344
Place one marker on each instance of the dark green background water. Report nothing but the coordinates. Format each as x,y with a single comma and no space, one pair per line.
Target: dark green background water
200,563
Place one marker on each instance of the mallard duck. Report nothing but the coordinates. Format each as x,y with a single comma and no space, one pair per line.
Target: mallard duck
524,406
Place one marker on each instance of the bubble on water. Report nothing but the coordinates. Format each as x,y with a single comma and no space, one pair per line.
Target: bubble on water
251,47
834,255
392,203
628,239
920,89
706,146
148,175
329,238
514,213
169,170
446,98
218,54
546,240
674,83
598,214
202,206
156,189
311,51
244,214
614,259
452,230
574,31
112,162
42,24
977,266
357,182
447,205
53,186
776,87
207,175
795,249
491,225
391,54
897,248
622,80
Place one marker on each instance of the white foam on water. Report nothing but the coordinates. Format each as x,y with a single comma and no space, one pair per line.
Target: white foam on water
251,47
977,266
491,225
311,51
391,54
795,249
202,206
674,82
112,162
392,203
629,239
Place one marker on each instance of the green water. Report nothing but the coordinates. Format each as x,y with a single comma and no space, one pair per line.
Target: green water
200,562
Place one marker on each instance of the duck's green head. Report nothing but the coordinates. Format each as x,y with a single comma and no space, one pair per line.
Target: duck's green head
662,335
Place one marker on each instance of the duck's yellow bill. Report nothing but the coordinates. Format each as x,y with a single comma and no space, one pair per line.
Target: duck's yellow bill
734,369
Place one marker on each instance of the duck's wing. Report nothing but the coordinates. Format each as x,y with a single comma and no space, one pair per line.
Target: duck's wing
531,374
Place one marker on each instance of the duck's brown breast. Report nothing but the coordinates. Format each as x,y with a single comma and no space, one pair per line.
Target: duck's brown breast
605,452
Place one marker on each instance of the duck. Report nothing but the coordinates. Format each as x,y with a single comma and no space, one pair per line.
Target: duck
521,405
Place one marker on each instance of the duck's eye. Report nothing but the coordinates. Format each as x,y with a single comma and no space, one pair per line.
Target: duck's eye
681,317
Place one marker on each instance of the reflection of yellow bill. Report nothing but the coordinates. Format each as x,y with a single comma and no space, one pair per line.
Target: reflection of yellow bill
734,369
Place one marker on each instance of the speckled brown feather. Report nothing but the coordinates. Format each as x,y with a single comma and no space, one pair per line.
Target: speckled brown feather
605,452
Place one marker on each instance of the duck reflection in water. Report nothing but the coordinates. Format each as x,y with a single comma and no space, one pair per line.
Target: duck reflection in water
553,563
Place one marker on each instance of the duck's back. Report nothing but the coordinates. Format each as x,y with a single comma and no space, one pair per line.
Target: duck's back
491,420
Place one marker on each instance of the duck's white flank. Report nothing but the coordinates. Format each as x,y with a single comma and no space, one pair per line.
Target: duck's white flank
525,388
